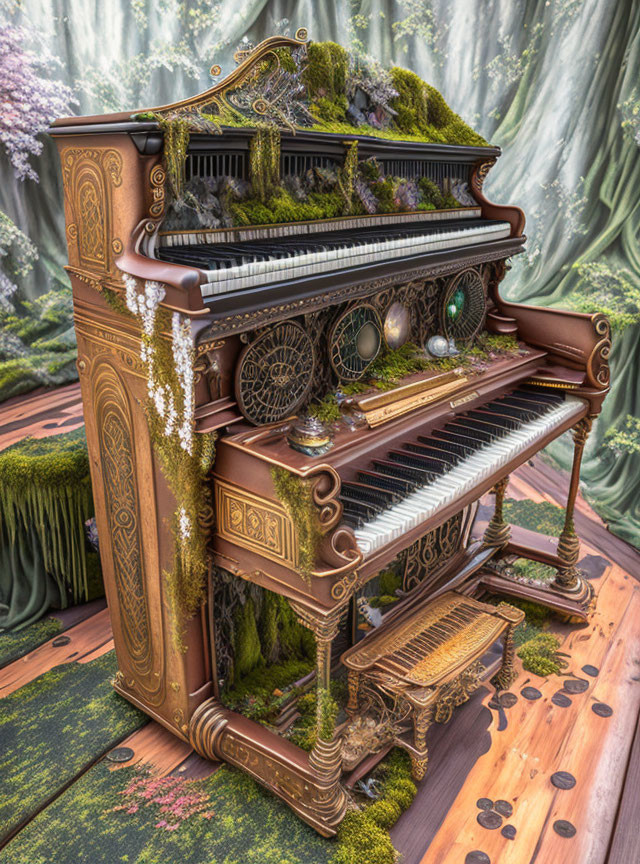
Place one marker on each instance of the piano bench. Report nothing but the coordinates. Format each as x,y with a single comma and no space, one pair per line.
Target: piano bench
423,662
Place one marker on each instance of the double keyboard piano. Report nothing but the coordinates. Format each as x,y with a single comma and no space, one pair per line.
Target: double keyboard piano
299,376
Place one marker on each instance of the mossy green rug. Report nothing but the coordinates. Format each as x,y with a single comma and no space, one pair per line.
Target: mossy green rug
540,516
52,729
17,643
242,824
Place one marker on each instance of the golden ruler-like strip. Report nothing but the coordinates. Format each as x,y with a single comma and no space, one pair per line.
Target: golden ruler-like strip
384,413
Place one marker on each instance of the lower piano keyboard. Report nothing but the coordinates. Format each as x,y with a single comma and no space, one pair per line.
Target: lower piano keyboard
412,483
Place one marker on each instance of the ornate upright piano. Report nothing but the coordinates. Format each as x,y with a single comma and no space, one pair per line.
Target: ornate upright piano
299,377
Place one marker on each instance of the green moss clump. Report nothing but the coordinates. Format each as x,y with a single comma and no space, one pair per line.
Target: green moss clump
256,695
264,162
45,487
176,141
325,78
296,497
394,364
326,410
347,177
246,644
423,112
384,813
539,655
390,582
382,601
328,714
361,839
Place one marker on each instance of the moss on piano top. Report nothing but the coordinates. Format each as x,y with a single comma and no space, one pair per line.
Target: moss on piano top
325,88
393,365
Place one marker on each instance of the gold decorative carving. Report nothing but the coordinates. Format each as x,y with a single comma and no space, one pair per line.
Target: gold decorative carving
255,523
117,455
429,552
223,97
89,175
227,326
312,792
598,373
116,245
157,177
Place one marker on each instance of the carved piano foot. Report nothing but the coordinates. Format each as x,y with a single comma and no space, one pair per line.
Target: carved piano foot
571,584
309,784
419,766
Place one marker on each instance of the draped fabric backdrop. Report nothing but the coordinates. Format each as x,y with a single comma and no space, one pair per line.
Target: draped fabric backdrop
555,83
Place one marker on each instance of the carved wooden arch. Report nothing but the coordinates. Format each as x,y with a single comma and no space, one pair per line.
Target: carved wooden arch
89,175
140,633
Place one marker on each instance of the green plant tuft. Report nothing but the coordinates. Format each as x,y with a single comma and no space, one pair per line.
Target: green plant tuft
296,497
539,655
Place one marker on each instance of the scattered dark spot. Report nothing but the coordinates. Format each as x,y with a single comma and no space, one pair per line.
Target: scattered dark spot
590,670
59,641
120,754
575,685
509,832
489,819
530,693
484,803
560,699
563,780
564,828
508,700
477,857
601,709
593,566
503,808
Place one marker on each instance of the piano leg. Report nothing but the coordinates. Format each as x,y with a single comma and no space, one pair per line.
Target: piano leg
354,687
498,531
568,578
507,674
422,720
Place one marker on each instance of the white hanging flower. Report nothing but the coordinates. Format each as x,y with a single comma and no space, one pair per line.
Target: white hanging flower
184,524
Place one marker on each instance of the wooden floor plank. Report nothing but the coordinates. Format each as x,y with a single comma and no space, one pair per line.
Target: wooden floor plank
87,640
625,845
156,748
541,738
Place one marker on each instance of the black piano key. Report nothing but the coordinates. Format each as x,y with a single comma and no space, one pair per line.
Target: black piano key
543,393
404,472
420,463
368,494
488,422
531,411
538,398
473,432
506,410
358,508
463,446
400,488
433,452
440,443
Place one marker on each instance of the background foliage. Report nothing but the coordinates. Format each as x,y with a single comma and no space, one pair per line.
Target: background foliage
553,82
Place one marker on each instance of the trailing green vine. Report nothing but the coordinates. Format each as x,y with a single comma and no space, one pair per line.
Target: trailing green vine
264,162
186,458
296,497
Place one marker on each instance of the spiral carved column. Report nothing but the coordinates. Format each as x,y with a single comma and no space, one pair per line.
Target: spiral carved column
498,531
569,579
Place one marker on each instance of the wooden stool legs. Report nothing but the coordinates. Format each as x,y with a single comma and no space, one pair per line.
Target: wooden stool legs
507,674
422,719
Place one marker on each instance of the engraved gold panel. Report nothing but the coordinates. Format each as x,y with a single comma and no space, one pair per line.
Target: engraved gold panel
255,523
117,455
89,176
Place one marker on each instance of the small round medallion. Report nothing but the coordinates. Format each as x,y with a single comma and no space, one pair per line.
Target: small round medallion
397,323
354,342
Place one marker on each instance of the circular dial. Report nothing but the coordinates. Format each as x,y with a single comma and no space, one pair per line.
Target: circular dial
354,342
274,373
464,306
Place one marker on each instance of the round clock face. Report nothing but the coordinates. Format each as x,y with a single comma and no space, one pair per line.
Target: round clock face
274,373
464,306
354,342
